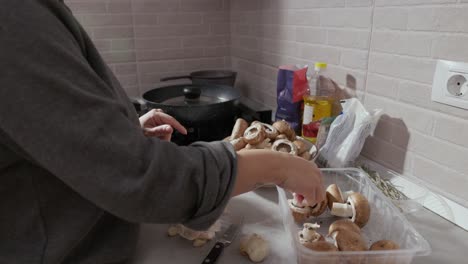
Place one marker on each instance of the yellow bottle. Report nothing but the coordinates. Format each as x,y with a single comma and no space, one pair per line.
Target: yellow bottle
315,108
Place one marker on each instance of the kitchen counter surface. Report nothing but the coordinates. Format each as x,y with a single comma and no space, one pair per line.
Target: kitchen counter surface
261,215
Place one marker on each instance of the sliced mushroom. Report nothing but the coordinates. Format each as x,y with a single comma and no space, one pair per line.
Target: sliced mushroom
283,145
239,128
255,247
356,208
342,225
309,234
238,143
349,241
283,127
255,134
385,245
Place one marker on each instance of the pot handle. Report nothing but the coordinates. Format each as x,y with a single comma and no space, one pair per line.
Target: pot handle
175,78
140,105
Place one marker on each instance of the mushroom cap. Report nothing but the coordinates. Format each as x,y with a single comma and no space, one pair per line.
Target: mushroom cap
306,155
254,134
319,208
350,241
281,136
334,195
239,128
301,146
284,145
343,225
361,209
385,245
283,127
323,246
271,131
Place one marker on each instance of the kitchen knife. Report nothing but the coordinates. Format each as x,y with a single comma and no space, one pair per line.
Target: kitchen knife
221,243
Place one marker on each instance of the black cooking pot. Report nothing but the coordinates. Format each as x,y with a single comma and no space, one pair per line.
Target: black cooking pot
208,77
194,104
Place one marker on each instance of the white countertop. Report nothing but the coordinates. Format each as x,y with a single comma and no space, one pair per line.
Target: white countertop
262,216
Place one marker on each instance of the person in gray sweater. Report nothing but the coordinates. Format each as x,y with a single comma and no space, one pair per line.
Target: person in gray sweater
79,171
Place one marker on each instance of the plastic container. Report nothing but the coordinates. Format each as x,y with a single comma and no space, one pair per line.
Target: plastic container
386,222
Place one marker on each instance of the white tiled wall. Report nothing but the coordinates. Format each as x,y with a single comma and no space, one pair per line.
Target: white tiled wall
144,40
388,48
383,51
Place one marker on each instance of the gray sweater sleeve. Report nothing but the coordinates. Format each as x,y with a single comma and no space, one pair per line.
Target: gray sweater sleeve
67,120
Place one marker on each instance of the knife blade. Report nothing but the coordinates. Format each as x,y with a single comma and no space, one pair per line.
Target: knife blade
224,241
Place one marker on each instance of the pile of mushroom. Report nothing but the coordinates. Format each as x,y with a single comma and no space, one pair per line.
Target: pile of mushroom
346,236
277,137
345,233
199,238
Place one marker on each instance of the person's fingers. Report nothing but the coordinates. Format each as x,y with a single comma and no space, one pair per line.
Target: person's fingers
159,131
163,118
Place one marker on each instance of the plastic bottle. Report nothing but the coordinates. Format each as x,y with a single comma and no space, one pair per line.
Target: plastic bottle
315,107
315,77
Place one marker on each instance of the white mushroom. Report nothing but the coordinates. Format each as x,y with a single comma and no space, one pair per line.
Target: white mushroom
356,208
255,247
239,128
255,134
284,145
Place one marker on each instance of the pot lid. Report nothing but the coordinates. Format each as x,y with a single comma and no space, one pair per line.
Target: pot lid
193,96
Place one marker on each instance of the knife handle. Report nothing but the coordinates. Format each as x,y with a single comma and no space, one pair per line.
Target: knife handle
214,253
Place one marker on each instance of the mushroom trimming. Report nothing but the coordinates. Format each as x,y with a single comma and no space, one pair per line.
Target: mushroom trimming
309,234
356,208
199,238
255,247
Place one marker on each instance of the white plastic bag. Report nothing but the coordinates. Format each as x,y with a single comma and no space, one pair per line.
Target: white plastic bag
347,135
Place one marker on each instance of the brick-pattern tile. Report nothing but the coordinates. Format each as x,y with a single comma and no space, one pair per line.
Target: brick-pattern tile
381,51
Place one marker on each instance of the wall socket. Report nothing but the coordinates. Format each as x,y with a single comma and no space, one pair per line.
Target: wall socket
450,84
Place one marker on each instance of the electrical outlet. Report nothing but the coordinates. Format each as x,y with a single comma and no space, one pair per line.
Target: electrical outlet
450,84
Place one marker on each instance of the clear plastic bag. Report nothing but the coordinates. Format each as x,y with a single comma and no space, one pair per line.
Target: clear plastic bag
347,135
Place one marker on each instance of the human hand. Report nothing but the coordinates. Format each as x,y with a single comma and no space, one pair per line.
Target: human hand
158,124
303,177
258,167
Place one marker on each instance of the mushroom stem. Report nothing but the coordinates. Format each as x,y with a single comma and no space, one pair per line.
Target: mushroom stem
342,210
347,194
